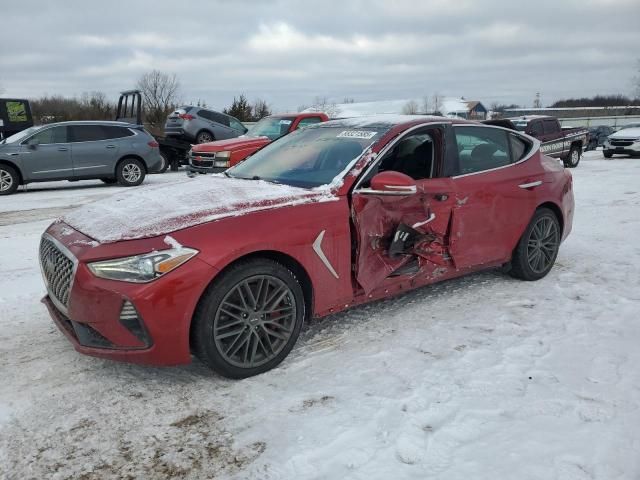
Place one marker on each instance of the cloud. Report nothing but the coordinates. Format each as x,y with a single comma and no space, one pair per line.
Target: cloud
289,51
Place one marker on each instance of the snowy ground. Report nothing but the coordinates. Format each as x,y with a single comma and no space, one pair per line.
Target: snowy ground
484,377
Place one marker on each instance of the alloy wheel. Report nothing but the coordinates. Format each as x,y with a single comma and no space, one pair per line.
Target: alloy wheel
575,157
543,244
254,321
204,137
131,172
6,181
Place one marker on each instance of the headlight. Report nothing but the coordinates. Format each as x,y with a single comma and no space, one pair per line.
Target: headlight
223,154
142,268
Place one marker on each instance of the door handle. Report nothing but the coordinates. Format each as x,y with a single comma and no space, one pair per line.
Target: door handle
537,183
63,149
110,146
441,197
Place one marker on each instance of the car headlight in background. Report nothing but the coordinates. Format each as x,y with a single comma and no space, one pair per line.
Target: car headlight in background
142,268
222,159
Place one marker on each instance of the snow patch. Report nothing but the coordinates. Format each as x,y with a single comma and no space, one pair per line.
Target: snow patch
172,242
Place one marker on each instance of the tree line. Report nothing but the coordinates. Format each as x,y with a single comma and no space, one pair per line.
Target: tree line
161,94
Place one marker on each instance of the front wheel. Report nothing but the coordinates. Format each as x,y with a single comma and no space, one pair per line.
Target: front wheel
607,154
538,247
130,172
249,319
204,137
573,159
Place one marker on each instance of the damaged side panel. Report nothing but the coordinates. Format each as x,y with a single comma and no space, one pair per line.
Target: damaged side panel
400,236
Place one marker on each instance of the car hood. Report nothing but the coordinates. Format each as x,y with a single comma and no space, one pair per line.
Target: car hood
239,143
626,133
160,209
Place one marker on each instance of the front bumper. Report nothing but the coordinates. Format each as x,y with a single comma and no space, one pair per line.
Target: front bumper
622,147
98,321
193,170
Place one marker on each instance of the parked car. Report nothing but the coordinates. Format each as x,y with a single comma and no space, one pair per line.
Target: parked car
109,151
566,144
201,125
625,141
629,125
328,217
222,154
597,136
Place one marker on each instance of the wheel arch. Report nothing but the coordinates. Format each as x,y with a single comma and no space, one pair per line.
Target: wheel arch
131,155
15,167
282,258
556,210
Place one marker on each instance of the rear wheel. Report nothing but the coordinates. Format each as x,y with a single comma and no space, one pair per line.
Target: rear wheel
165,163
573,159
538,247
130,172
9,180
204,137
607,154
249,319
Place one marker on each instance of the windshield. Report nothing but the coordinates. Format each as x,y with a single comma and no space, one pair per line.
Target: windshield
271,127
309,157
17,137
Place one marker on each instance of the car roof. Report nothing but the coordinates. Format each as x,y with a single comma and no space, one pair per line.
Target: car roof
528,118
92,122
389,121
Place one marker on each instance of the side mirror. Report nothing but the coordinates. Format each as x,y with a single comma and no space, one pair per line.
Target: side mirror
393,183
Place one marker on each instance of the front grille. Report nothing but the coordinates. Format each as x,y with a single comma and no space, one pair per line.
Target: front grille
197,162
622,143
204,154
57,269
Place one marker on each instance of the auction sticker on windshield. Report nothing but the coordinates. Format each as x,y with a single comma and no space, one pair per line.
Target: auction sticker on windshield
364,134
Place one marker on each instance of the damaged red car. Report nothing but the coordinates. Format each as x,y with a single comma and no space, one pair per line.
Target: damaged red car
328,217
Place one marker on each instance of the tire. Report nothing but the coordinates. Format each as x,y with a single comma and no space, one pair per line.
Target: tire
9,180
130,172
573,159
205,137
607,154
109,181
165,163
544,229
248,341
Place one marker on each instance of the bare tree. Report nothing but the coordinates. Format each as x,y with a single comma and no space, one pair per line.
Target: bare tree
160,92
410,108
322,104
260,109
436,103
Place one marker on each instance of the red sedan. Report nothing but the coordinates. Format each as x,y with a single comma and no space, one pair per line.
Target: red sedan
328,217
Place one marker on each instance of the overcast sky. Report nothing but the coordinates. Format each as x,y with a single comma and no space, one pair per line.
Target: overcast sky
288,52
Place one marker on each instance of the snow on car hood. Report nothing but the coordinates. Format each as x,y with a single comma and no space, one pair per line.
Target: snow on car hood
161,209
626,133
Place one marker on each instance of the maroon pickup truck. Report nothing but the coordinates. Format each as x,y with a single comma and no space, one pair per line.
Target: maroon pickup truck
564,143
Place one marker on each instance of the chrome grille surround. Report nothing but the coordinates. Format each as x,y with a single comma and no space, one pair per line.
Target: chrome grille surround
58,266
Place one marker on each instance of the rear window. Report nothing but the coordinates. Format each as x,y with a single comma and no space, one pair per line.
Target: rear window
550,126
87,133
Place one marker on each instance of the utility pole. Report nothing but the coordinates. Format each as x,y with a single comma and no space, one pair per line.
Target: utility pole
537,103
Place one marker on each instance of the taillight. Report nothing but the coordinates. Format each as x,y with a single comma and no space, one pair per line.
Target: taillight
186,116
153,144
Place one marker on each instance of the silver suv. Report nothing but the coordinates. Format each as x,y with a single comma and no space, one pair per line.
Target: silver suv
200,125
109,151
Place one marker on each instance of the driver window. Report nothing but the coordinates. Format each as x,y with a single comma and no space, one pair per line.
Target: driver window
50,135
414,156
